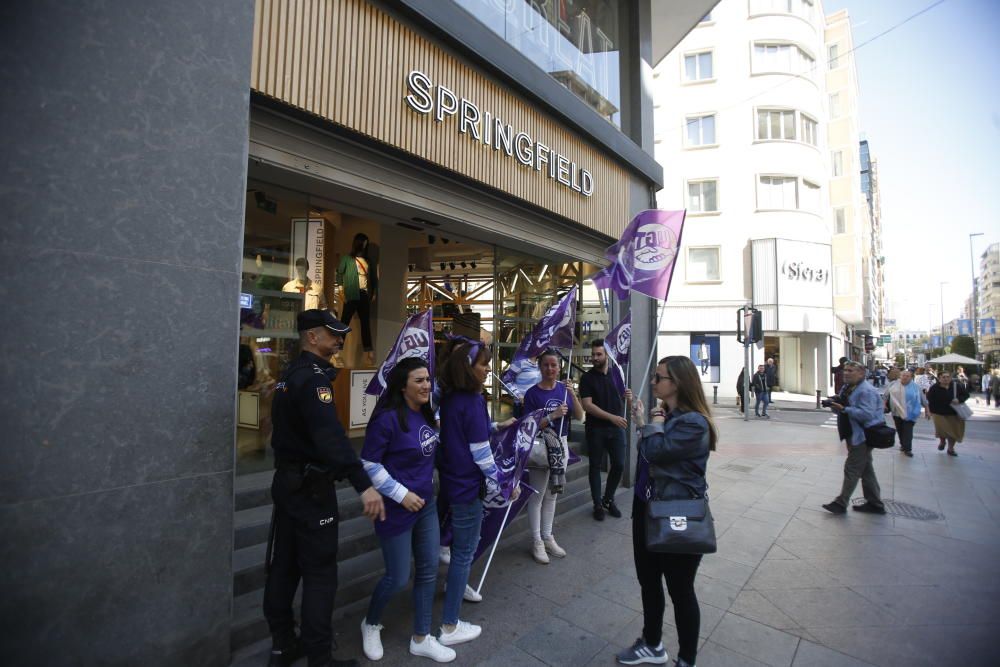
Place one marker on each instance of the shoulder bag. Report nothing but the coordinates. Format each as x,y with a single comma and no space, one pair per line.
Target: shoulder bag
682,526
961,409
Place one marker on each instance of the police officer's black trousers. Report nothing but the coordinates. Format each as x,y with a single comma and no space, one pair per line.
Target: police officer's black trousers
302,550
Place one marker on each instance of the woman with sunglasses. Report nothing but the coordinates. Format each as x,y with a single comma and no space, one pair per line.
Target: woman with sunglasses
677,439
398,455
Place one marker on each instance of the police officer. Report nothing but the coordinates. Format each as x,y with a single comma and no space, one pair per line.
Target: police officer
311,451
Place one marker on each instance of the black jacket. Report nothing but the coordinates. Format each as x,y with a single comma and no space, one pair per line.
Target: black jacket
939,399
677,451
760,383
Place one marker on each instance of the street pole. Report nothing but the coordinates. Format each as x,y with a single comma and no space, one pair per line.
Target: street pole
975,297
941,290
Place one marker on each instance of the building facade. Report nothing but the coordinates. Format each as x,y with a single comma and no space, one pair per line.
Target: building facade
757,120
202,171
989,303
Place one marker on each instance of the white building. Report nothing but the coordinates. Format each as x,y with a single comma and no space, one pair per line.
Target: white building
742,123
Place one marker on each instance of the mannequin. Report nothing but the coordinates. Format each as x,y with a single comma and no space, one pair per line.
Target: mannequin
303,284
358,278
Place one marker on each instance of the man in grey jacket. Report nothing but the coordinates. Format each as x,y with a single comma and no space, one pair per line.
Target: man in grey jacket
857,406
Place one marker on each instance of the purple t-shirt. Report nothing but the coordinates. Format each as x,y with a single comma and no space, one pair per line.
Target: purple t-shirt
464,420
549,399
408,457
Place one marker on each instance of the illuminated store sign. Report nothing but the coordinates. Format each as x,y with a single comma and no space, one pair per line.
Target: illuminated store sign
482,126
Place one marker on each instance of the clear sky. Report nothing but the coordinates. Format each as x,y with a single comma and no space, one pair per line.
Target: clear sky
930,109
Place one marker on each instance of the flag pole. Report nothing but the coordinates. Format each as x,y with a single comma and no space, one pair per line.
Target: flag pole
503,524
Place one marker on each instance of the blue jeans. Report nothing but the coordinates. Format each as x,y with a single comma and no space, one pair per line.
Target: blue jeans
762,397
466,521
599,441
421,541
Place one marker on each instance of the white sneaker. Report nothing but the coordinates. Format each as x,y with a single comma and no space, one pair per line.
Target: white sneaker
463,632
371,640
539,554
445,555
553,548
432,648
471,595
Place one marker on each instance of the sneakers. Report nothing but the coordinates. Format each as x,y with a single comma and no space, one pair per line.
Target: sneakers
445,555
835,508
371,640
598,513
907,452
869,508
470,594
641,653
432,648
284,651
463,632
553,548
612,509
539,554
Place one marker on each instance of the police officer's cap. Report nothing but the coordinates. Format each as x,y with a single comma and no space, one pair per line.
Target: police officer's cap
314,317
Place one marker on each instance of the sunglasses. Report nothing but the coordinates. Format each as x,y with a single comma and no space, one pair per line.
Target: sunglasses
657,378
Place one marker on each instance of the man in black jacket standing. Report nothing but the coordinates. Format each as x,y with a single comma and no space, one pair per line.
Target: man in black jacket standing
761,386
311,451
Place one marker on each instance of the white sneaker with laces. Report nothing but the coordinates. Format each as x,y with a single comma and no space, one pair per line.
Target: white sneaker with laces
463,632
445,555
471,595
539,554
432,648
371,640
553,548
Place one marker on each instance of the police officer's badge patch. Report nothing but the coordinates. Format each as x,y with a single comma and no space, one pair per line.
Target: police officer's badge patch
325,394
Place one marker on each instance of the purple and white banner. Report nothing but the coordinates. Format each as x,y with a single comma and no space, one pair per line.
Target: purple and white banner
511,448
617,345
555,329
415,340
643,260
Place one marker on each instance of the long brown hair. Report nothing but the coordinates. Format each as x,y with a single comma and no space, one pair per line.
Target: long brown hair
454,368
690,395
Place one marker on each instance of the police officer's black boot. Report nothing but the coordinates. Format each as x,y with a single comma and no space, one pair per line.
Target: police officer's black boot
285,649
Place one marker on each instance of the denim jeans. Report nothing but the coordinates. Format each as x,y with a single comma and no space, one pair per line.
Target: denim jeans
612,441
466,520
762,397
422,542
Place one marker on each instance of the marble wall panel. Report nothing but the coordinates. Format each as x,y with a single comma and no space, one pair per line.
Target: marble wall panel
139,575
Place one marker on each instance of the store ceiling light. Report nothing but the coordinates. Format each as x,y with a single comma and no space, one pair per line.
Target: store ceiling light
442,266
451,265
541,273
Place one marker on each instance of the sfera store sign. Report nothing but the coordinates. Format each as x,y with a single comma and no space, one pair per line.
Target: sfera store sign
805,272
426,98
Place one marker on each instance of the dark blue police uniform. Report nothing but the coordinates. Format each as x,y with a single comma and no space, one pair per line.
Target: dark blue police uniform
311,450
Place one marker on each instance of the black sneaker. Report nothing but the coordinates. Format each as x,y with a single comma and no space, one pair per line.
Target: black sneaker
284,651
612,509
835,508
869,508
641,653
598,513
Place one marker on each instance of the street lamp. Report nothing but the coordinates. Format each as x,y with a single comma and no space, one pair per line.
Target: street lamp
941,290
975,297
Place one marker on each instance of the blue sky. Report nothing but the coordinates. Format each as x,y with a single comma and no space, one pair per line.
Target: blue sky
930,109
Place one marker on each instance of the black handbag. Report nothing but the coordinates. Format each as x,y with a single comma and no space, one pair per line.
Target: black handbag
880,436
682,526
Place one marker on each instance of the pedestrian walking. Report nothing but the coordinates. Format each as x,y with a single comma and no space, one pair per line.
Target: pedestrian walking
465,466
949,428
311,451
995,391
678,438
398,455
838,375
761,388
924,379
772,376
987,385
858,406
604,430
561,402
905,402
740,389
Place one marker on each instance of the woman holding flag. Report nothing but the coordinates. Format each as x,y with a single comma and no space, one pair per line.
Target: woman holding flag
559,400
466,470
398,455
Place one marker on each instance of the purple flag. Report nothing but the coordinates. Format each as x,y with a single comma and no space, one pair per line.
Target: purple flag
555,329
415,340
617,344
511,447
643,260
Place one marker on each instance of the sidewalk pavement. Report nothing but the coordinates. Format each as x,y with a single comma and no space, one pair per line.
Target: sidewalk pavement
790,585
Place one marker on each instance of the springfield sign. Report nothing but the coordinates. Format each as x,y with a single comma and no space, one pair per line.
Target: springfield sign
482,126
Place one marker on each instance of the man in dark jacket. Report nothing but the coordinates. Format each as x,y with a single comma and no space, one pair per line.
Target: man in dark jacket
761,387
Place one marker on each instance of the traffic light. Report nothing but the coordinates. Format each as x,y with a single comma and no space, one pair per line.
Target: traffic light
749,326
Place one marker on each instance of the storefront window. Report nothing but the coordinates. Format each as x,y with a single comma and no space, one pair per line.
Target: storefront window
578,42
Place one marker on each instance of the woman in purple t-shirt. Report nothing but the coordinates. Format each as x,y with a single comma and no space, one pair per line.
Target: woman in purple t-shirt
398,455
466,470
560,400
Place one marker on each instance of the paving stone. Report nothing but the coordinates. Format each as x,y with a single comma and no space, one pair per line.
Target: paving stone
777,573
756,607
598,615
755,640
719,656
556,642
830,608
719,567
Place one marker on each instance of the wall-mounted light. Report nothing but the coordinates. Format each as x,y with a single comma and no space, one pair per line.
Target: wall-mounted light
473,265
463,264
441,265
430,239
451,265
